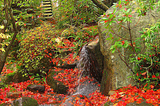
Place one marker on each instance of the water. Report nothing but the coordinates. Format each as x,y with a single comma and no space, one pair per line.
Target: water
85,66
83,61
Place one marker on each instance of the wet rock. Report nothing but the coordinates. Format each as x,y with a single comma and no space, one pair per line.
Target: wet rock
76,100
96,59
25,101
57,86
36,88
91,61
87,87
115,73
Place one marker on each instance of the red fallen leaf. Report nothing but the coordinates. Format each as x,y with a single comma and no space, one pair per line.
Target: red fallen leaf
139,100
144,73
129,15
139,58
81,96
151,86
137,74
153,76
123,42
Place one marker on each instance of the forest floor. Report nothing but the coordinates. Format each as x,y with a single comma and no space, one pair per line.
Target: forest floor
121,97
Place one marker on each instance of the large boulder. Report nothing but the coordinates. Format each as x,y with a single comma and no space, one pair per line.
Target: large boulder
116,73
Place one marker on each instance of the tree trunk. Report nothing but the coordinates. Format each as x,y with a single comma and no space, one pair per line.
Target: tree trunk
5,54
101,5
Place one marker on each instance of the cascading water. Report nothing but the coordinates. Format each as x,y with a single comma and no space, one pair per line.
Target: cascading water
84,60
88,66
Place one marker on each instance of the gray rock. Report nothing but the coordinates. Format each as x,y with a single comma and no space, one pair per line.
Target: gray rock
35,88
115,73
86,88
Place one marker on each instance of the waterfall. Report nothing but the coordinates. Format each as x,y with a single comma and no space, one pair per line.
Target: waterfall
87,67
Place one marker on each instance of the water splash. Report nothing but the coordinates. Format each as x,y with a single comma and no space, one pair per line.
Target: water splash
84,61
88,67
88,64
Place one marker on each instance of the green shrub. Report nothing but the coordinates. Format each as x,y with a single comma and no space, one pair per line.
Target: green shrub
35,44
76,12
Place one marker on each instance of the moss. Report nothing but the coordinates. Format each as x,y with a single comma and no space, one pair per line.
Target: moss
26,101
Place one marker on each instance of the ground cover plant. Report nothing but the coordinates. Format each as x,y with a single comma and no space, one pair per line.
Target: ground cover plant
44,44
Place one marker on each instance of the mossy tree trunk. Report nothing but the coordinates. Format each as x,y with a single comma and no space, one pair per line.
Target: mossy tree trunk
105,4
8,12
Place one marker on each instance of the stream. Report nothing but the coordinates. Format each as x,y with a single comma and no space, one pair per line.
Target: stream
88,86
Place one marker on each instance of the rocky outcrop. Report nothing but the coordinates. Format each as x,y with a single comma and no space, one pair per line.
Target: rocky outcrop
115,73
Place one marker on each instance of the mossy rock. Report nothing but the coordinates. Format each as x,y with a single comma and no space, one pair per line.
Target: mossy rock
26,101
14,77
57,86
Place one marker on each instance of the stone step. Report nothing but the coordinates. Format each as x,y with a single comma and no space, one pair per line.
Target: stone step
47,8
46,1
47,5
48,17
47,13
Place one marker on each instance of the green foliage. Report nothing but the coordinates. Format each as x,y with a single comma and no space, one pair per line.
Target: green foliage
80,36
10,74
26,12
37,77
146,63
76,12
33,46
3,37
